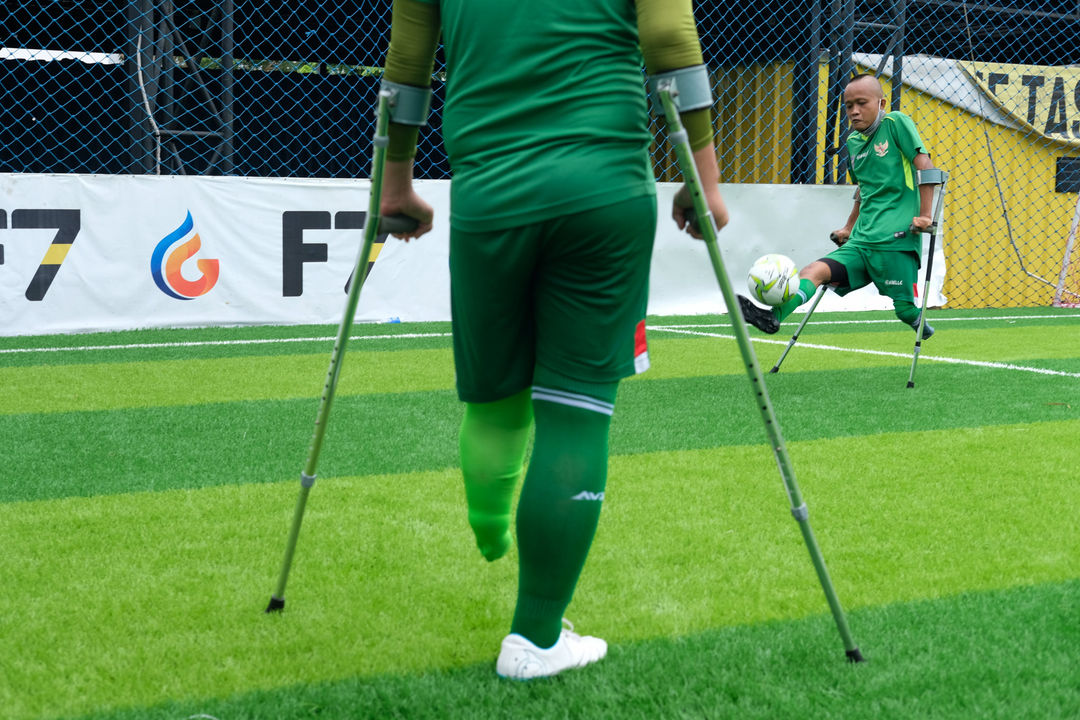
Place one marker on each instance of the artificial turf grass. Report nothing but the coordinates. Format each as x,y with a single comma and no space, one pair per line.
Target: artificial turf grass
87,453
279,372
227,455
1001,654
170,586
110,386
160,336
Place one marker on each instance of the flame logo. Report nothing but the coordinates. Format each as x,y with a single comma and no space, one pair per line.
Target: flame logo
166,271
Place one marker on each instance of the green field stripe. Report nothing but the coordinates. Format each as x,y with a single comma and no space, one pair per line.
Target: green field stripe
206,343
181,335
88,453
1032,346
1004,654
110,385
135,450
135,599
701,412
1013,345
189,382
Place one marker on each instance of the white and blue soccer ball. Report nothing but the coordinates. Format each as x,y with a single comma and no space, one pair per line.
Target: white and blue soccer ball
773,279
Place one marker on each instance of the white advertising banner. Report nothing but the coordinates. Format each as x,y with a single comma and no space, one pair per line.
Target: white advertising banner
109,252
793,220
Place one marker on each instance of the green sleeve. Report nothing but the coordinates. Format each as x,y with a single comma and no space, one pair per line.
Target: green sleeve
907,135
410,59
669,41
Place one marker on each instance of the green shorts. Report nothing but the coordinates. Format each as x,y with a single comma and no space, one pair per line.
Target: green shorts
560,303
893,272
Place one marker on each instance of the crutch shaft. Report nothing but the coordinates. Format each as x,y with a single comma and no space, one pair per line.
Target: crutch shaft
679,140
371,231
820,293
934,225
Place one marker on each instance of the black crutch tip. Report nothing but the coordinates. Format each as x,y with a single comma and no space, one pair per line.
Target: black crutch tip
776,369
276,604
910,384
854,656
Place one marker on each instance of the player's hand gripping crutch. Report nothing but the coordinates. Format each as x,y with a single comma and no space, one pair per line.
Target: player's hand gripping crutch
373,227
680,141
939,178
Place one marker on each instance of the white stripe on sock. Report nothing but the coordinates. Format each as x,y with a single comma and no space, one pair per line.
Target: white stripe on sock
569,399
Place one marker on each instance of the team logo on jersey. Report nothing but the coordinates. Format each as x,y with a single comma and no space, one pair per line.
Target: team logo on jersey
882,149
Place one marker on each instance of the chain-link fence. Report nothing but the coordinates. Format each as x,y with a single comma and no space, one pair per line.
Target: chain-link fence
248,88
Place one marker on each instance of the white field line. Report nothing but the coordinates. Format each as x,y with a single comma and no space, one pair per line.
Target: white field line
935,358
408,336
893,320
203,343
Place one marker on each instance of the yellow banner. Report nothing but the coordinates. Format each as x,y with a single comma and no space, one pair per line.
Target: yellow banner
1046,100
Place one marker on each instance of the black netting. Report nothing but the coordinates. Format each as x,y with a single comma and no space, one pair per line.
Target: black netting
273,90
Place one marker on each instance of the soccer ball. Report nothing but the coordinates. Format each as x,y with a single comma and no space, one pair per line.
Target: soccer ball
773,279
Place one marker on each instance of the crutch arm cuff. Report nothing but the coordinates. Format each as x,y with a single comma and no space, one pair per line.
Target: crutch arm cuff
409,105
690,88
932,176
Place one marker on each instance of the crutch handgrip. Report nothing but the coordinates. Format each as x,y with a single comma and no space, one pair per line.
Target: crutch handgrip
692,220
931,228
397,224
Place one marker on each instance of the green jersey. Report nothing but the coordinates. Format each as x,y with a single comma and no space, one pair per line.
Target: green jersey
889,194
577,140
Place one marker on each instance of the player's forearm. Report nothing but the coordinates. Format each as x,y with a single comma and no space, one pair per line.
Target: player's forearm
708,170
397,178
853,217
926,192
669,41
414,35
709,175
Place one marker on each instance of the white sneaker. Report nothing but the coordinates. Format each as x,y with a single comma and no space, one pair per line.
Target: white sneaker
520,659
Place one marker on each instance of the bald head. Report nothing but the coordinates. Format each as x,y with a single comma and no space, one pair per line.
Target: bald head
867,81
864,100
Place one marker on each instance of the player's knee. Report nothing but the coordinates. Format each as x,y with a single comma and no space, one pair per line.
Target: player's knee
816,272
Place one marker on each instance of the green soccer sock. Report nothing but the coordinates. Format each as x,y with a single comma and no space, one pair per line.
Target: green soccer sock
559,508
492,442
907,311
806,290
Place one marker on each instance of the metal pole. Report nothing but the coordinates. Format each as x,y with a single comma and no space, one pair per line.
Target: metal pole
900,18
805,100
227,80
847,47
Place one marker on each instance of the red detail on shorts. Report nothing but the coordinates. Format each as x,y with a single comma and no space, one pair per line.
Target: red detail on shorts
640,346
641,349
915,289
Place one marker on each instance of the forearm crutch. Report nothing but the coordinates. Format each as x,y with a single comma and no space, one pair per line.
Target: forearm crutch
794,338
679,139
373,227
937,177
